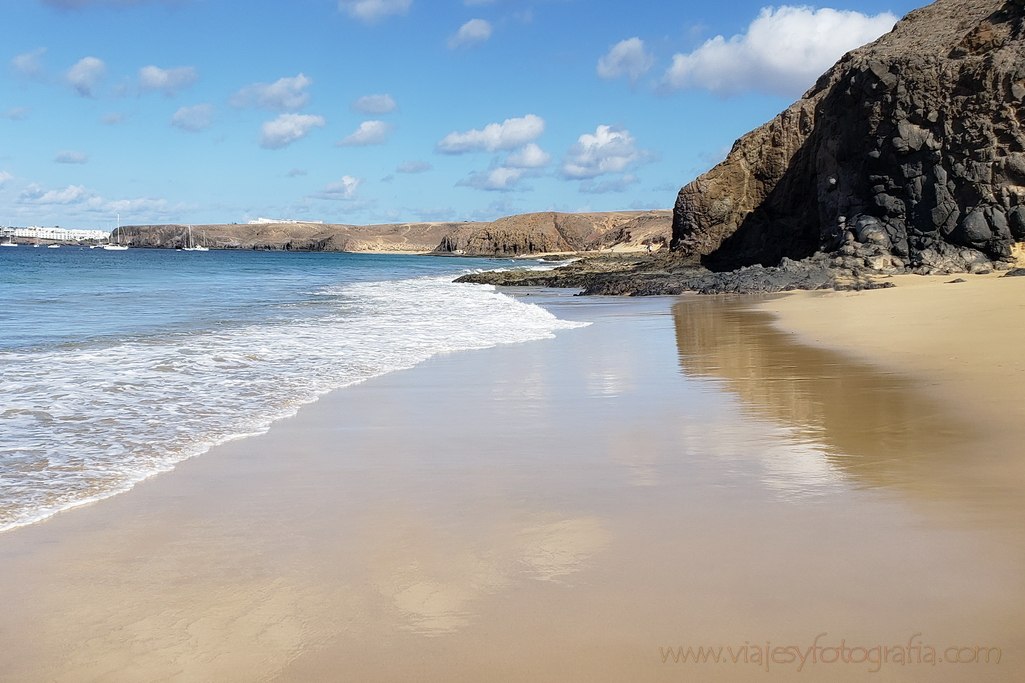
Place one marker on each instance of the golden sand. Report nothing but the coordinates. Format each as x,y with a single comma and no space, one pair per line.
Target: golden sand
680,473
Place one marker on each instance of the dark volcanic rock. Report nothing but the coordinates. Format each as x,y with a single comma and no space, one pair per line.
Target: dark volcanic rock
671,275
911,144
1015,272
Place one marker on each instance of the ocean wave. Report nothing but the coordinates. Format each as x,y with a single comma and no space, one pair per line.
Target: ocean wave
80,423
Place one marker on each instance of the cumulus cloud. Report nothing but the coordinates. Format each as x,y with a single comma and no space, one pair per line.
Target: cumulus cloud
287,128
341,190
71,157
368,133
34,194
86,74
500,179
5,177
471,33
509,134
756,60
626,58
193,119
167,81
375,104
29,64
413,167
529,156
284,94
370,11
607,150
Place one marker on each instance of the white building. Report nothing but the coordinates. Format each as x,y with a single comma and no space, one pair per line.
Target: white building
55,234
287,221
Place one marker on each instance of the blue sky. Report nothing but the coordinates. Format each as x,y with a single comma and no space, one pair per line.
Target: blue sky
365,111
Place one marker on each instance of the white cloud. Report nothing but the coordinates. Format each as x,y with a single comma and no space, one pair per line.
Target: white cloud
375,104
782,52
626,58
509,134
193,119
287,128
607,150
34,194
168,81
16,113
86,74
5,177
138,207
112,119
413,167
284,94
342,190
368,133
374,10
71,157
29,64
297,173
530,156
501,179
471,33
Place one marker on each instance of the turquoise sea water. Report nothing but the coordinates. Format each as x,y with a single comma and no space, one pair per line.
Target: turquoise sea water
116,365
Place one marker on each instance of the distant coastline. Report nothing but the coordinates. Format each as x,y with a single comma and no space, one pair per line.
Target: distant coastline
519,235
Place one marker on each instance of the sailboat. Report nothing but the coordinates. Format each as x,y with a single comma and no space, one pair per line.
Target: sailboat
118,246
192,246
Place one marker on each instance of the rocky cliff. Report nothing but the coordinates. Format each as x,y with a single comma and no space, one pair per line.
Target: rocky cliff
403,237
908,153
510,236
550,232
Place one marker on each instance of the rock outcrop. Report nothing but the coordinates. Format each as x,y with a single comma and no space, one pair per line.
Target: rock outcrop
518,235
908,154
551,232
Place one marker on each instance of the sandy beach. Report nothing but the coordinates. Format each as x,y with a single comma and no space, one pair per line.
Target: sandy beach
835,475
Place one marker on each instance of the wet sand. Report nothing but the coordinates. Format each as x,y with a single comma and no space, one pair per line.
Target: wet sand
680,473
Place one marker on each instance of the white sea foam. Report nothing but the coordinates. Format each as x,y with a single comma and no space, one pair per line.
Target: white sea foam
86,422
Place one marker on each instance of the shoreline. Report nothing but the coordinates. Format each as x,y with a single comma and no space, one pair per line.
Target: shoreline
416,524
959,340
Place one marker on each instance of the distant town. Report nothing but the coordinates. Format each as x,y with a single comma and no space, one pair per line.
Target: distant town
54,234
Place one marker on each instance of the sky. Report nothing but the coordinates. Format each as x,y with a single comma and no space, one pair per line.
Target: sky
382,111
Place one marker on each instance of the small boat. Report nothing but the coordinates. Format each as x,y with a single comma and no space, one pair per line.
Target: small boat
53,246
118,246
191,245
8,243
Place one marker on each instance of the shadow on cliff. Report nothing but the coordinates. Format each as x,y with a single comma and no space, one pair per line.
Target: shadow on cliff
878,428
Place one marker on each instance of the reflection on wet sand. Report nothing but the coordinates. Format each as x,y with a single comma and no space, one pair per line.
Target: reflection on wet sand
879,428
552,512
436,582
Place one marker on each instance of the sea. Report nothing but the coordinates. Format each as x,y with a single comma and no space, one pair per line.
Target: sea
116,365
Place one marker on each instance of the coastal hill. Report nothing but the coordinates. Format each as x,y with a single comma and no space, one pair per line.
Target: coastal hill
534,233
907,154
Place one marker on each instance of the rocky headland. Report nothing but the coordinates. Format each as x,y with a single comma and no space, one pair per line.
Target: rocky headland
520,235
907,156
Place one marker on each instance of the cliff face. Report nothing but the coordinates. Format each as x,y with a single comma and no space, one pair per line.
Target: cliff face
404,237
911,146
550,232
510,236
